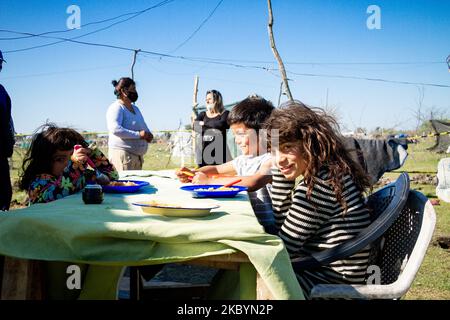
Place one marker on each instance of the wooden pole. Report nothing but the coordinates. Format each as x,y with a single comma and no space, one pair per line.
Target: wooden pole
194,113
281,91
134,61
448,62
276,54
194,99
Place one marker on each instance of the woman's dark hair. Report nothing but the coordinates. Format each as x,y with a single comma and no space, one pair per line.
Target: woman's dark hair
320,145
123,83
47,139
217,96
252,112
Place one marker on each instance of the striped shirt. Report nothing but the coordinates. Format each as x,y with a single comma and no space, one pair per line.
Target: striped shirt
311,225
259,199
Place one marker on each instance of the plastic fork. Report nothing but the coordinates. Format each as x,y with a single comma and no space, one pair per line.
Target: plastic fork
229,184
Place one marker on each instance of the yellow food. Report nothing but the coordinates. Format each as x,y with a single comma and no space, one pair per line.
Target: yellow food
122,184
159,204
217,189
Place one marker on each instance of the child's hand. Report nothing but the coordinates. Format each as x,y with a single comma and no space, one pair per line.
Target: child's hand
80,154
182,176
200,178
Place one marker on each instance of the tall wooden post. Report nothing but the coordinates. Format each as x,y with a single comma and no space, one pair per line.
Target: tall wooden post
194,114
276,54
134,62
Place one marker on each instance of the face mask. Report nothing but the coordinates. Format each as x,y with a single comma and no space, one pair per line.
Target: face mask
210,107
133,96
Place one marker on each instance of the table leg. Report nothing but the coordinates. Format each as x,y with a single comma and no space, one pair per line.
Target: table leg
135,283
2,261
22,279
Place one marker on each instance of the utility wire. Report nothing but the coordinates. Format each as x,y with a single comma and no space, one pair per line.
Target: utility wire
201,59
327,63
64,72
369,79
163,55
81,36
88,24
216,61
199,27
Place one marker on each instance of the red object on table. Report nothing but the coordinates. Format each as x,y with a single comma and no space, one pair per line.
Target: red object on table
232,183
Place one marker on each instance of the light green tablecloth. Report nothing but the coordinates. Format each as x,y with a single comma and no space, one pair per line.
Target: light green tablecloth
116,233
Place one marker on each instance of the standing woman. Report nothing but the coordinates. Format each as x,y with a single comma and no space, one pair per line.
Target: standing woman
128,132
212,149
6,145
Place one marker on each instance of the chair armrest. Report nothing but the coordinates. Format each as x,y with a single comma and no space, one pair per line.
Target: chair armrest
360,291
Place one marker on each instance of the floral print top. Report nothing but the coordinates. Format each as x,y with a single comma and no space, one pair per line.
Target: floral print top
47,188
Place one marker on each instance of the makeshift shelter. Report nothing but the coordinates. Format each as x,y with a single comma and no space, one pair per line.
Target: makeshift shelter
442,131
377,156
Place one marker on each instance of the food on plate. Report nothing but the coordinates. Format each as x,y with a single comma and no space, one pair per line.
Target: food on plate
160,204
217,189
122,184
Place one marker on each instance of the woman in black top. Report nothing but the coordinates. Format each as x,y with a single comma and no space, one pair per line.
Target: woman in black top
212,143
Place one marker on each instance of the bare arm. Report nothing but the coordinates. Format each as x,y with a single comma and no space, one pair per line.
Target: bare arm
208,171
253,182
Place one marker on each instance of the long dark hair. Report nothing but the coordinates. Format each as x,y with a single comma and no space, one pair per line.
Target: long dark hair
123,84
317,136
47,139
217,96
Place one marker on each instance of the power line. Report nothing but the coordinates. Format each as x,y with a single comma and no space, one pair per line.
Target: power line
84,25
81,36
369,79
327,63
201,59
87,24
163,55
64,72
199,27
218,62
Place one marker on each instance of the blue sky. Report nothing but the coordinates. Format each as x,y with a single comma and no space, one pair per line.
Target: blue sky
70,84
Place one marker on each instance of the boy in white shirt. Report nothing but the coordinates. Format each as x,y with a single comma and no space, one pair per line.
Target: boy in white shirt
253,166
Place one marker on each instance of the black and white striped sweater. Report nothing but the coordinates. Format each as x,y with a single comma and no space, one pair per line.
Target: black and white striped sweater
312,225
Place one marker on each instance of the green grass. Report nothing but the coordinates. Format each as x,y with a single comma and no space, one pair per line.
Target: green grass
433,278
420,159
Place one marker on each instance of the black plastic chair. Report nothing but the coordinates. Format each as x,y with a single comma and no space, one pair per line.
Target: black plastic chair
386,205
402,250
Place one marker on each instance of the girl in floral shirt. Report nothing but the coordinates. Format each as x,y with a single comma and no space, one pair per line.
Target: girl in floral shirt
52,169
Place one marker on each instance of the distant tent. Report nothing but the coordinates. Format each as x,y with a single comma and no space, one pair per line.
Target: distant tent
442,130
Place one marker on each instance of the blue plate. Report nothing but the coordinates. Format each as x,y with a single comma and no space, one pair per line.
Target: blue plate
195,189
125,189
